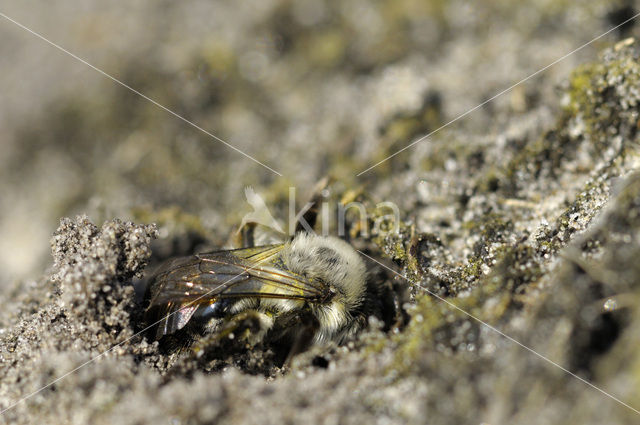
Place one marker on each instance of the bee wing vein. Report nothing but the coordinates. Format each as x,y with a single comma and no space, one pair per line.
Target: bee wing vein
205,278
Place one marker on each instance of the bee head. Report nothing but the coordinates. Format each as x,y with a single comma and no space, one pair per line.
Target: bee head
336,264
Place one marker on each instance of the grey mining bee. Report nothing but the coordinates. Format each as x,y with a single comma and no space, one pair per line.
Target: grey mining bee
310,290
320,275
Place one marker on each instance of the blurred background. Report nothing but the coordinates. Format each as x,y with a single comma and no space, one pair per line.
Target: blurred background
308,87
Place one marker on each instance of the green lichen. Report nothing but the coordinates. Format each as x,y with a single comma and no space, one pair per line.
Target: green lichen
603,95
599,119
581,87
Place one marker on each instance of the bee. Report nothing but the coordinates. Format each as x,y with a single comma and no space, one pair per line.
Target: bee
310,290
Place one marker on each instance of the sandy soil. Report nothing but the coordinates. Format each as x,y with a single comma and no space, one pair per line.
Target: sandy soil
517,250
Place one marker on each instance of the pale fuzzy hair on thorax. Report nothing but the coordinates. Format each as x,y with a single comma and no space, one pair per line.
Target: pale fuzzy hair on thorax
331,260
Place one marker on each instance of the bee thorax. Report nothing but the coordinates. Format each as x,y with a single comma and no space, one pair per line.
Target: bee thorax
335,263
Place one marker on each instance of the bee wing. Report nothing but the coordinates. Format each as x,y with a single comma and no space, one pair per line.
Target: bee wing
188,282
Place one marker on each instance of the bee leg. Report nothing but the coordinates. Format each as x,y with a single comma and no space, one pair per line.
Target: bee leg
244,236
309,217
248,327
303,339
248,232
